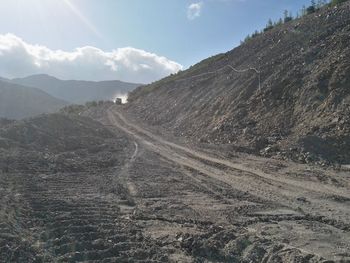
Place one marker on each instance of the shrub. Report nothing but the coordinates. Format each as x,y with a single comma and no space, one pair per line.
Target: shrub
311,9
287,19
337,2
90,104
269,25
287,16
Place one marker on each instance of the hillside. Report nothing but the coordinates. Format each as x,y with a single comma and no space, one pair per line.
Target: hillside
76,91
300,110
17,102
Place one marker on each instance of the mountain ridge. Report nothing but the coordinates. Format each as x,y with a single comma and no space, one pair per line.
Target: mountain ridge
77,91
17,101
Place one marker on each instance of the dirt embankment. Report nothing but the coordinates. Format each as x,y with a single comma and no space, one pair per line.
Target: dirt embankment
299,108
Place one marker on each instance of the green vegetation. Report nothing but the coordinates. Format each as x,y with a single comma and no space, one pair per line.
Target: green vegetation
337,2
91,104
288,16
77,109
311,9
72,109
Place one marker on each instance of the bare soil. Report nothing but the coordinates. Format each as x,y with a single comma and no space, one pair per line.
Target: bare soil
167,200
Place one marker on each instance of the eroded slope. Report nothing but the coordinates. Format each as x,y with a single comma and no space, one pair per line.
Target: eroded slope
300,110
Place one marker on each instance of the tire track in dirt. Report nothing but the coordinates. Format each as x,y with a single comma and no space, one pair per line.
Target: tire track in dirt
125,171
270,188
185,161
310,186
74,222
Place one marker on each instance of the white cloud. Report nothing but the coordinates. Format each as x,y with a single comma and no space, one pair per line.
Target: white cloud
18,58
194,10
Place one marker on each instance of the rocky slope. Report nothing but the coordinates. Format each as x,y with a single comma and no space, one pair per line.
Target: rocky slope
76,91
299,110
17,102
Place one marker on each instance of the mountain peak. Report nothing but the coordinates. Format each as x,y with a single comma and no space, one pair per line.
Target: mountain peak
37,77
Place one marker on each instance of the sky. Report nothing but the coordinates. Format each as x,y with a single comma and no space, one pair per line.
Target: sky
131,40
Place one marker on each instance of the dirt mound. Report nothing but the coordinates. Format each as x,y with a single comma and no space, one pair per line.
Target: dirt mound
58,143
297,107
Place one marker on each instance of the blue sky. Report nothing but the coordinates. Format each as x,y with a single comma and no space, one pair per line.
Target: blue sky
163,27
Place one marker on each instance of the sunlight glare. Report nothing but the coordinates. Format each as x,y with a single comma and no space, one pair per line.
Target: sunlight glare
82,18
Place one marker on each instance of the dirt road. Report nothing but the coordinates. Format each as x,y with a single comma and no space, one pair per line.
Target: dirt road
311,214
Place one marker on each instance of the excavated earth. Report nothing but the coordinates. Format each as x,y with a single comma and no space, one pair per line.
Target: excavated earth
297,107
170,177
98,185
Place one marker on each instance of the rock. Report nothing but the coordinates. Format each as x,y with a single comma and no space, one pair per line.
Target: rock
346,167
336,120
302,199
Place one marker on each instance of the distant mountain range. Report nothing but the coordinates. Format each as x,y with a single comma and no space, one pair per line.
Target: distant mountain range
17,102
77,91
37,94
